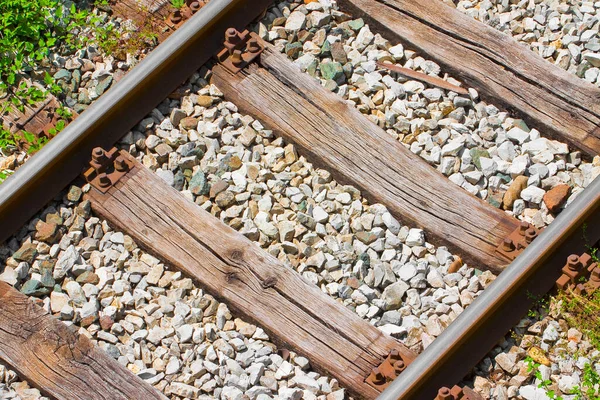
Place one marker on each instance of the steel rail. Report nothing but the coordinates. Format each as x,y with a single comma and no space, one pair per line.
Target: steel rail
475,332
117,111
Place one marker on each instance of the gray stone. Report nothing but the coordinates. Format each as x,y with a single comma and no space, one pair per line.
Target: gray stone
65,262
533,194
416,237
393,294
295,21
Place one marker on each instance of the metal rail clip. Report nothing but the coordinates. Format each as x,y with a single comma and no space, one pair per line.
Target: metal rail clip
382,375
581,273
518,240
240,49
106,168
457,393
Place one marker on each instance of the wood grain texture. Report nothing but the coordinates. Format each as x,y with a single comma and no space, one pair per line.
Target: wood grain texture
33,118
338,137
251,281
504,71
57,360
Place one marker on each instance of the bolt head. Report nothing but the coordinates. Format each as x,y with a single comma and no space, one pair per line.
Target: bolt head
121,164
98,154
231,36
253,46
104,180
236,58
530,235
399,366
378,376
444,394
573,262
523,227
508,245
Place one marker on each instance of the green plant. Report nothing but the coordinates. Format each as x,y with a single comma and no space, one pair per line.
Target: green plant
587,390
592,250
4,174
60,125
29,29
178,3
582,311
589,383
534,367
6,139
101,3
540,305
64,112
35,143
51,84
107,38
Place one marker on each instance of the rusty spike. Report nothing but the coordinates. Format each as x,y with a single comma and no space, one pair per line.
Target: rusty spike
508,245
236,58
121,165
573,262
176,17
456,265
378,377
104,180
232,36
253,46
444,394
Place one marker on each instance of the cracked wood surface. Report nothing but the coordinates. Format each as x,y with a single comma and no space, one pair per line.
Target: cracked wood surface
251,281
338,137
56,359
505,72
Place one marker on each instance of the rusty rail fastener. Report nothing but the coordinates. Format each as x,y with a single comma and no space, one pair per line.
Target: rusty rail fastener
106,168
518,240
580,273
176,17
240,49
382,375
393,365
457,393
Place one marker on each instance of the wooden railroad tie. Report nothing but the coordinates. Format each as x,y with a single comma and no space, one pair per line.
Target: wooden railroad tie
297,314
505,72
336,136
59,361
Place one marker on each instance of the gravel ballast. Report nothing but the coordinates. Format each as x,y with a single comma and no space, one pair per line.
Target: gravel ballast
153,320
356,252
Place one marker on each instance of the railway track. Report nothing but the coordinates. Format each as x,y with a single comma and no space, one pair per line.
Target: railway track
258,284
